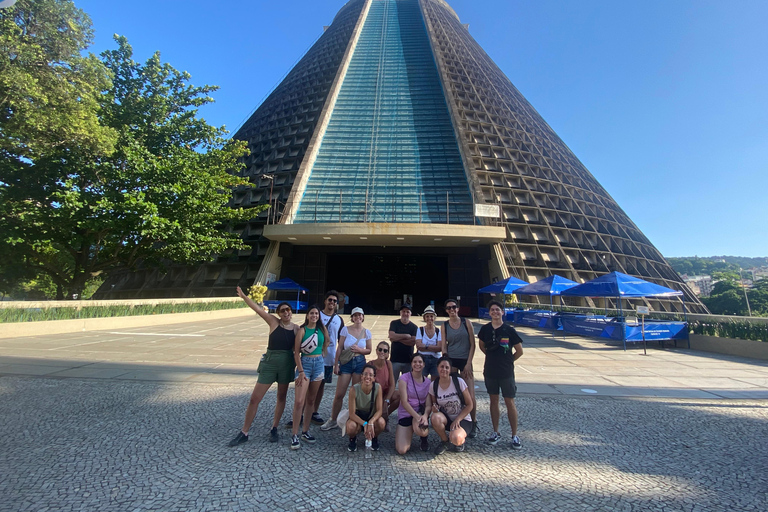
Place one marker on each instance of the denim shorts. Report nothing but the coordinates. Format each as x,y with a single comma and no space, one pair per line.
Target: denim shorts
430,365
355,365
314,368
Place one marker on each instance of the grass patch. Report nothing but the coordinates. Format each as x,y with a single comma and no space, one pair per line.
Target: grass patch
72,313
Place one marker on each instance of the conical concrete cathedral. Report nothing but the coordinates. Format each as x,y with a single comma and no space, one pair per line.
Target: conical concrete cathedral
399,160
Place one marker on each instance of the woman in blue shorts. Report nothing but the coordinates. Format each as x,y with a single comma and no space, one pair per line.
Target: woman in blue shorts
311,343
277,366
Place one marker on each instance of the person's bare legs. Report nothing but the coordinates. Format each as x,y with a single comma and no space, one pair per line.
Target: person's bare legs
282,394
342,384
511,413
309,404
259,390
320,393
494,406
300,396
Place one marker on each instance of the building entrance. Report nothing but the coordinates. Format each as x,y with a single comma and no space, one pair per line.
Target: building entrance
374,277
375,281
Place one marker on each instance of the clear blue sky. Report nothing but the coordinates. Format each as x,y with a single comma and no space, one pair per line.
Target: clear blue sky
665,102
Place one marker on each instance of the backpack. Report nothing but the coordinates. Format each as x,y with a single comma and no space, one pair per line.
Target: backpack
456,384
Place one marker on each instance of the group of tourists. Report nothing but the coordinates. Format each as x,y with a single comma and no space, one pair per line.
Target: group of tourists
425,375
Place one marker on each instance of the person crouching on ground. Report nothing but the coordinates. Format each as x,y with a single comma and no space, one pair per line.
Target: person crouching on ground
311,343
451,402
365,408
412,414
277,366
502,346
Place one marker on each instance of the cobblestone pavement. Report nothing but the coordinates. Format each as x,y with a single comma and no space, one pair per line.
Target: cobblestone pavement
120,445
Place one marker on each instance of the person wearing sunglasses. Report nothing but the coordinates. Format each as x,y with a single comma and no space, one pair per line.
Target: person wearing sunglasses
459,346
330,318
386,378
277,365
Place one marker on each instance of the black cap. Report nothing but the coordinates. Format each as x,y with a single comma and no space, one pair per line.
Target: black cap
406,306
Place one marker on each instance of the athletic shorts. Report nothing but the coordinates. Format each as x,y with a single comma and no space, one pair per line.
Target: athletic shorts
507,386
313,366
354,365
459,364
430,365
277,366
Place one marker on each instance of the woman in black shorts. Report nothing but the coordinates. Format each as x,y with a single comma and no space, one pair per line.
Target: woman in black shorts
278,365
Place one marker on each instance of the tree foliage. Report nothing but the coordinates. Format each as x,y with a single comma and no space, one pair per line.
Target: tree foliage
105,162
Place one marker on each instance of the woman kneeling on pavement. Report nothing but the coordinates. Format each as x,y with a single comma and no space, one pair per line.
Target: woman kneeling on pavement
450,402
412,414
365,407
277,366
311,344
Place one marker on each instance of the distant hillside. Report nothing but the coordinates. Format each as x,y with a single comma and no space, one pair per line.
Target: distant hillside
694,265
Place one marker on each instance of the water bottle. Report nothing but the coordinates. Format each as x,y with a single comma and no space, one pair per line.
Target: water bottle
368,449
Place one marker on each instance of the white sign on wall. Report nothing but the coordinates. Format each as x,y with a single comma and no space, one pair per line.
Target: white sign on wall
487,210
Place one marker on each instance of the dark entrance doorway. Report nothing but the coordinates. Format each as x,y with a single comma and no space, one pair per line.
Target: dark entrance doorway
375,281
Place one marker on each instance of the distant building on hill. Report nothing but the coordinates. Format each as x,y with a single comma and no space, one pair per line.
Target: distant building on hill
700,285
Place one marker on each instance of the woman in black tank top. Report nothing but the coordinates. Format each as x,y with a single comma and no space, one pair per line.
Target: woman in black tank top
277,365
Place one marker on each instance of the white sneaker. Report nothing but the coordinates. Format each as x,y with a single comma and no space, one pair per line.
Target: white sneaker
329,425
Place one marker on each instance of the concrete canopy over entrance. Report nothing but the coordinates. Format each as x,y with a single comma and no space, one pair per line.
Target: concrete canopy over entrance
386,234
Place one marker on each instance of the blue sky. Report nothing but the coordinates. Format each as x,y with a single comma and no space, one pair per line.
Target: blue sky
665,102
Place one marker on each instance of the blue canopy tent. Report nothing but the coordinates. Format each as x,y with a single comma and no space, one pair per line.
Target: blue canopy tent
287,284
620,286
552,285
503,287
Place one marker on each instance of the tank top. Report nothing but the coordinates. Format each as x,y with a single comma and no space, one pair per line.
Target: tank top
281,339
320,340
363,401
456,340
382,377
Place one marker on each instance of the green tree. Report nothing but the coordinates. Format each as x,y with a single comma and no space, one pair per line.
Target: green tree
154,185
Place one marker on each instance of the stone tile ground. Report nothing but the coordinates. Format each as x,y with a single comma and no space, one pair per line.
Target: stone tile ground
119,445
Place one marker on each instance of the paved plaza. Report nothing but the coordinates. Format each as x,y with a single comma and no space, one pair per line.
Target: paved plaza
139,419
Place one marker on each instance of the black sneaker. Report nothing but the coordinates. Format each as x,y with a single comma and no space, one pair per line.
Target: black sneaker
295,444
316,419
459,448
473,431
516,444
352,446
273,435
425,444
308,438
290,423
441,447
375,444
240,438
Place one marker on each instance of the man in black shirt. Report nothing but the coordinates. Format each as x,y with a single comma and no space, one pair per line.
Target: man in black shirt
502,346
402,334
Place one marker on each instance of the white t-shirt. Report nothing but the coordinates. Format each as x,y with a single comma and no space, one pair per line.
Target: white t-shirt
333,331
350,341
421,335
448,399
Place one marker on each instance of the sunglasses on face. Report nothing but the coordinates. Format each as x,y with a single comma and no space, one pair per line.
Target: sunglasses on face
451,307
284,310
331,300
382,350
